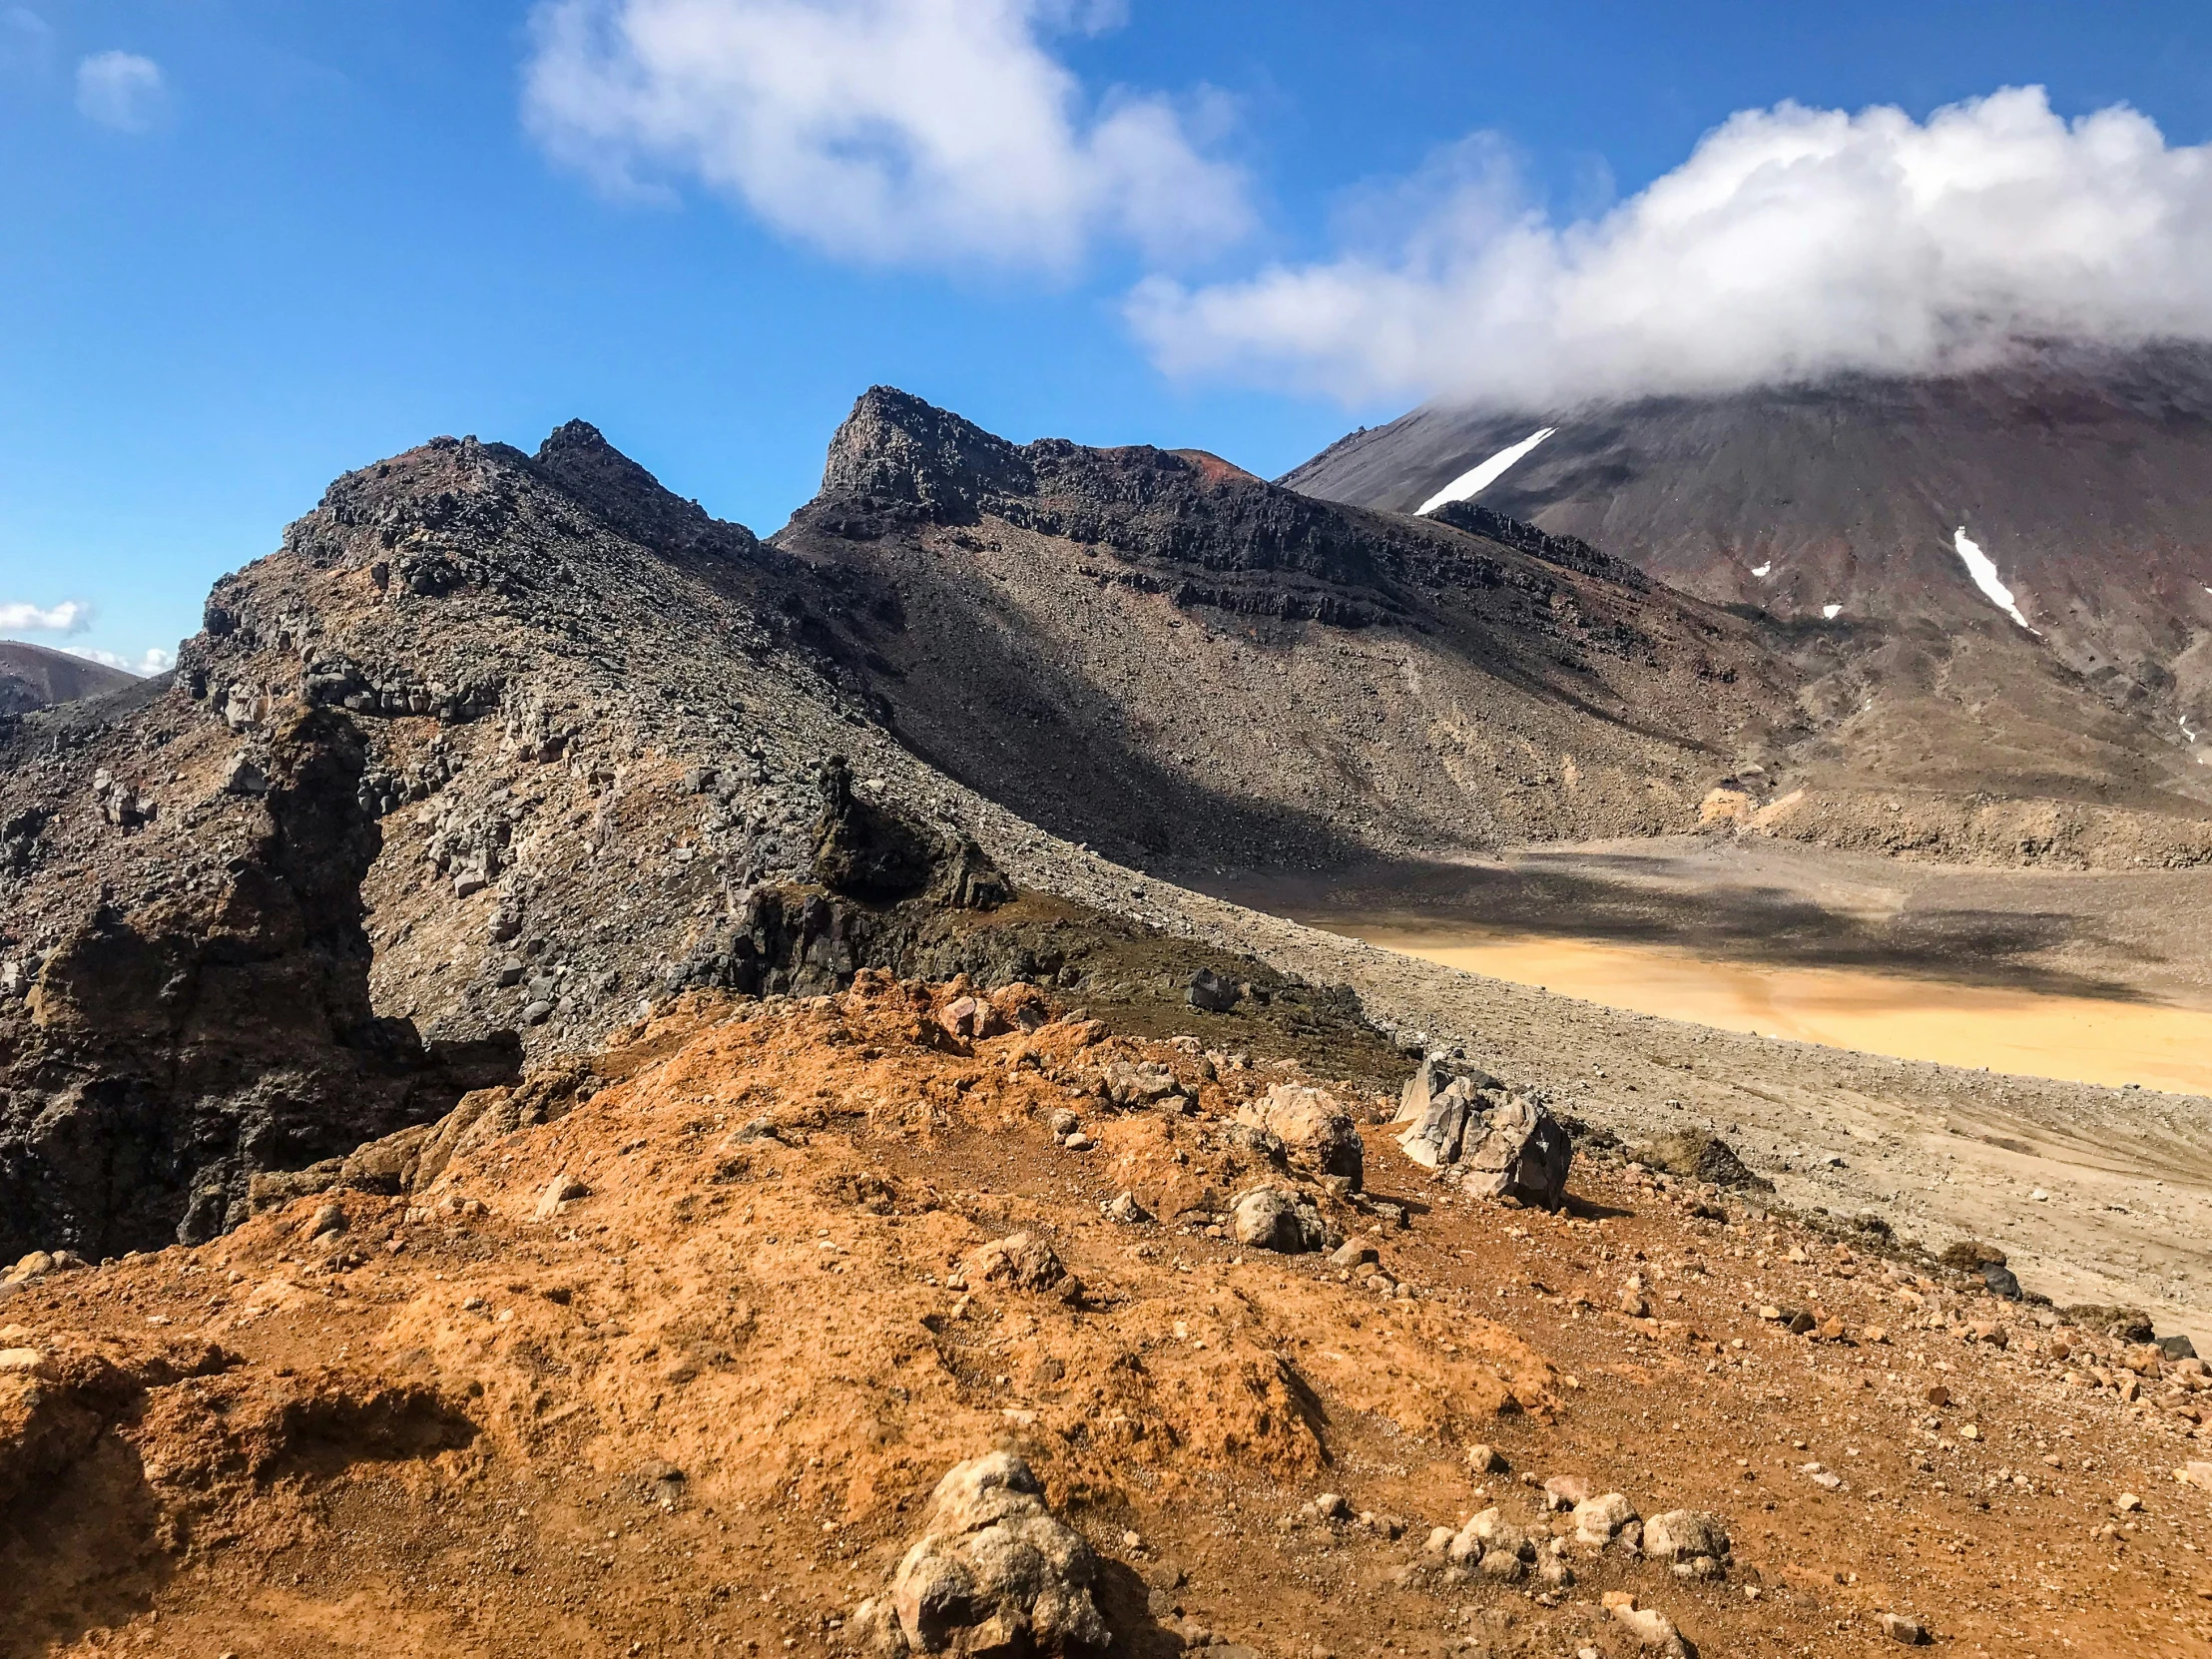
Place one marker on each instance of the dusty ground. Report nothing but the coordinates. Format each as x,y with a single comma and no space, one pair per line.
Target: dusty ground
1942,1152
2127,935
700,1406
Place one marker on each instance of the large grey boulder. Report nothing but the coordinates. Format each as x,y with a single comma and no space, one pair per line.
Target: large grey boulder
995,1573
1523,1153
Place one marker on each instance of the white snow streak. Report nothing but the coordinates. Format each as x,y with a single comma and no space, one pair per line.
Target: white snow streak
2183,722
1474,481
1761,570
1984,570
1831,612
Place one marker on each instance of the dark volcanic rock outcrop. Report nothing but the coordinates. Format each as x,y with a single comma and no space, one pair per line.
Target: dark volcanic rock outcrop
223,1024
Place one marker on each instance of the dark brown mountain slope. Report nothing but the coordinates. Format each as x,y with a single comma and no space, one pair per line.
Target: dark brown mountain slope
33,677
1155,651
2086,479
496,749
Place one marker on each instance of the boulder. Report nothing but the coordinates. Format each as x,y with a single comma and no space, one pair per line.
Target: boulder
1314,1128
1212,994
1684,1535
1523,1153
1025,1261
1275,1218
1597,1520
994,1573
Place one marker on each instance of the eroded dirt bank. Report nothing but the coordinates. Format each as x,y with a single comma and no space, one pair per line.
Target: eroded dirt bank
676,1370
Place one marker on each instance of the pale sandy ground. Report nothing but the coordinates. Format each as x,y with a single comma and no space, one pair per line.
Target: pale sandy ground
1940,1151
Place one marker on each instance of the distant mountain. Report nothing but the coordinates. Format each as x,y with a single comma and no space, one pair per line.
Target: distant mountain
1154,651
33,677
2083,479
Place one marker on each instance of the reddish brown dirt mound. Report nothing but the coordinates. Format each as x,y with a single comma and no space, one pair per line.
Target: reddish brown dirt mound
678,1371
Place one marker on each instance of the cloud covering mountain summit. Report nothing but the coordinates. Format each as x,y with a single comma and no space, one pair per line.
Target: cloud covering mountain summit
1793,244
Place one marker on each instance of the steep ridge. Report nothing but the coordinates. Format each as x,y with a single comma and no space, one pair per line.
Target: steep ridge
1155,651
33,677
2080,476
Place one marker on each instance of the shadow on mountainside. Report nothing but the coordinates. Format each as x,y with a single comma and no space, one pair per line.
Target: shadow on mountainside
1735,920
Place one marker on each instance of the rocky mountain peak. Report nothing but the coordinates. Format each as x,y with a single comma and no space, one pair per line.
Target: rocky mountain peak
894,448
578,460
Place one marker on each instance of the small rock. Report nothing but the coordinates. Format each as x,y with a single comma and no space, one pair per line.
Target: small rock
562,1189
243,775
1650,1627
326,1220
1332,1506
2127,1503
2196,1475
1487,1459
1271,1218
1634,1306
1124,1207
18,1360
1598,1519
1564,1491
1212,994
1900,1627
996,1572
1683,1534
1023,1260
1078,1142
1354,1253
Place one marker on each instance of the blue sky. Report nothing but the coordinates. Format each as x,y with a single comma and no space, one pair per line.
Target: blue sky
249,244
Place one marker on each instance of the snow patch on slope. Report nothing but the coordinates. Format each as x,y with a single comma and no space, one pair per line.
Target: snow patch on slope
1831,612
1984,570
1761,570
1475,480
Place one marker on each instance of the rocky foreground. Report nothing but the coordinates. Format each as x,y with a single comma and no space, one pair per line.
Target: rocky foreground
911,1320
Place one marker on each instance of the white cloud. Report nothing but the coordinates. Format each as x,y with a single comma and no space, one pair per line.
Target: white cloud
26,40
156,660
1792,242
69,617
120,89
881,131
